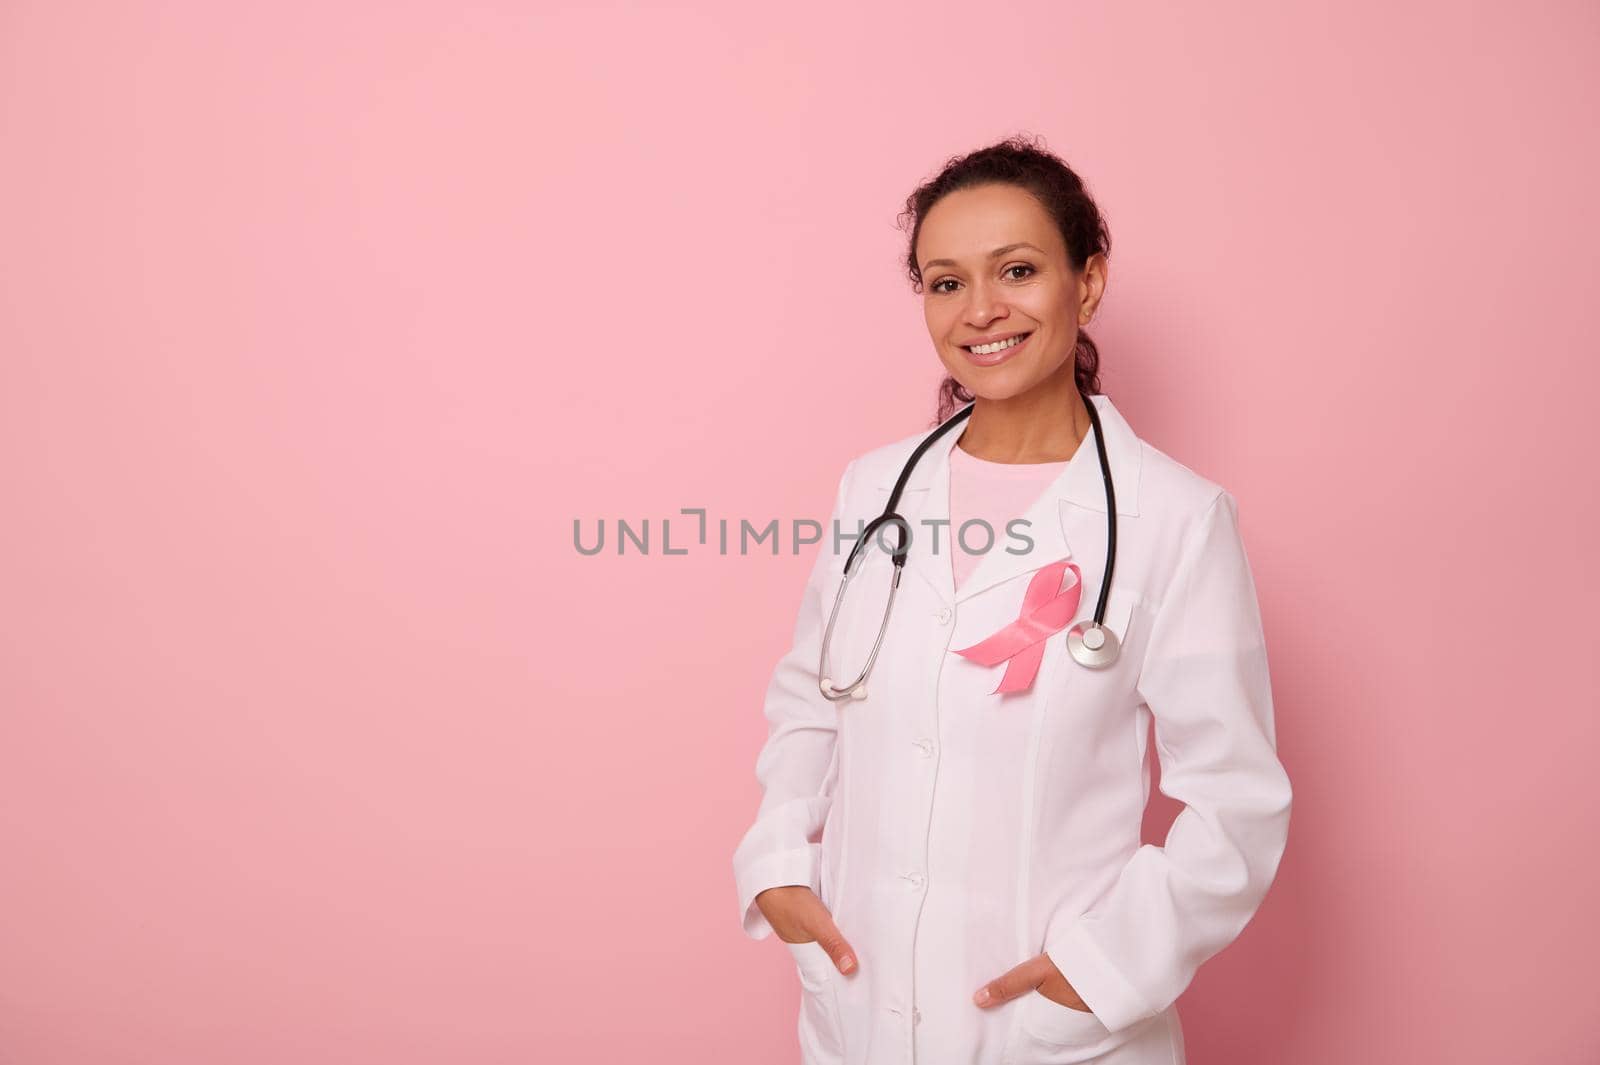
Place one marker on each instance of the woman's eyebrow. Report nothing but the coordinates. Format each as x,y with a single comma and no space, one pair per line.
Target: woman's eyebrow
993,255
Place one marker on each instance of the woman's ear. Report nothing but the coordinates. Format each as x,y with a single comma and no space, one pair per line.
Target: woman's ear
1093,282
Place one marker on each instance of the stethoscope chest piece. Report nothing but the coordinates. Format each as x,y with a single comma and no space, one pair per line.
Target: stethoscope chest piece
1092,645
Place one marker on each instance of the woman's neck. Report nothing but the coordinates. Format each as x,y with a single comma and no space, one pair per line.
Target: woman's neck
1044,424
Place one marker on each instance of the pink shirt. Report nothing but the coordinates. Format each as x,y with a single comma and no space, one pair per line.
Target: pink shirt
993,492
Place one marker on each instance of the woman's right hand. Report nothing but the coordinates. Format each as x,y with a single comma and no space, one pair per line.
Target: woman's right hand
798,916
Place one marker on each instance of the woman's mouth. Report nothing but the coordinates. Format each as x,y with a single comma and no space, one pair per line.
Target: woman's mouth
995,354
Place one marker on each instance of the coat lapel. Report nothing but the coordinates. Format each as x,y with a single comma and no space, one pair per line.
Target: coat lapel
926,501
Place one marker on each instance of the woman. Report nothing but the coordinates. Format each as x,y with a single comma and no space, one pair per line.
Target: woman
954,860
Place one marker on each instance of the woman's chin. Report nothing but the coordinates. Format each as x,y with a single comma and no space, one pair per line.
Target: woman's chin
1003,382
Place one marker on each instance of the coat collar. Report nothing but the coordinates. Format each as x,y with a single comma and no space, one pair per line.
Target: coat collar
926,501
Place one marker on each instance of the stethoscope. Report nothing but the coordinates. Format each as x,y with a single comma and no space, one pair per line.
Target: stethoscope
1090,643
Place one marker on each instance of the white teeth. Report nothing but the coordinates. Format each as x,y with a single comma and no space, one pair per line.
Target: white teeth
990,349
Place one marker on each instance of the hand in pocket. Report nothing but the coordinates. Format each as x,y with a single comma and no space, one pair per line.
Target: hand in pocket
798,916
1037,973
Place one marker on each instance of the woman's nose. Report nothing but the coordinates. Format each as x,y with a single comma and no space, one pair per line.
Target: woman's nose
983,305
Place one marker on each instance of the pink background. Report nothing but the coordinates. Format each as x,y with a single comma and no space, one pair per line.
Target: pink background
322,323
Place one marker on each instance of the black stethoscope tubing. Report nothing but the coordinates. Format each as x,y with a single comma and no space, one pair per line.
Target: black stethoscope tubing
891,516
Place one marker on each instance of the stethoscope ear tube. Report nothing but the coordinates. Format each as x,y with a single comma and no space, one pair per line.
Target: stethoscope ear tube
857,688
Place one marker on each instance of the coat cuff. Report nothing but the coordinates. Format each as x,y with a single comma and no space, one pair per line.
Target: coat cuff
798,867
1099,983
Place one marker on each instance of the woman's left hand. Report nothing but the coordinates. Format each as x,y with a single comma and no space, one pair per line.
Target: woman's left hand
1039,973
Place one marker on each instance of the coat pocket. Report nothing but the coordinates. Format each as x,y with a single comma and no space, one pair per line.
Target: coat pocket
821,1035
1048,1033
1053,1034
1054,1023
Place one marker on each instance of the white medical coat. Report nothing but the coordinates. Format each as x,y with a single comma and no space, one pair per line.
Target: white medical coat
954,833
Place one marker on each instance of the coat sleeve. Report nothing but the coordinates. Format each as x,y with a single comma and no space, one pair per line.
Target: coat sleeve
783,846
1204,678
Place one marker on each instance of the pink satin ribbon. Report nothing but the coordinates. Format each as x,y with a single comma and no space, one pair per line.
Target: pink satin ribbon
1047,608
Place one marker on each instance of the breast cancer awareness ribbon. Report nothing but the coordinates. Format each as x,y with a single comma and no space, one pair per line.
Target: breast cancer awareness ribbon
1047,608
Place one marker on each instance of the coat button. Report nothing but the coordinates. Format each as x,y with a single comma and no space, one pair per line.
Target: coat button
944,615
914,880
924,747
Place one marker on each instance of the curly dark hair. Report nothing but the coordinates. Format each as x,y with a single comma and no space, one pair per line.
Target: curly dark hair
1022,161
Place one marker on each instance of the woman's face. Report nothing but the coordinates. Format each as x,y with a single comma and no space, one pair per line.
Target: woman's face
994,267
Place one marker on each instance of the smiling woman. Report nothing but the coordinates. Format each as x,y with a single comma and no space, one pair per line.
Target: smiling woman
953,853
1052,270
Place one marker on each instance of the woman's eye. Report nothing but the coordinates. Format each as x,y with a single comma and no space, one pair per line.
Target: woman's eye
937,286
